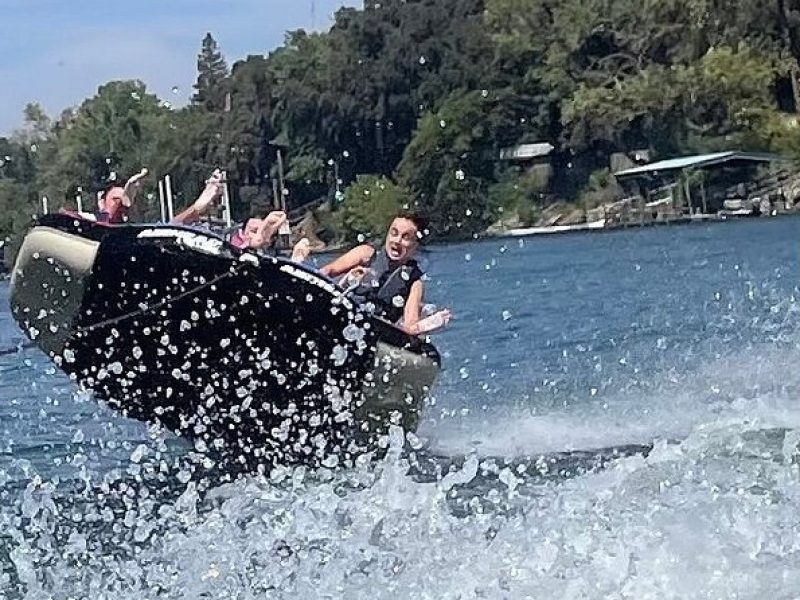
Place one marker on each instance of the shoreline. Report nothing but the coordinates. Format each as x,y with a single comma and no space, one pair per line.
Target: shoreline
600,227
595,227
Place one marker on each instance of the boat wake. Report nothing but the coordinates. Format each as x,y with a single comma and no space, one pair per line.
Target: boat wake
631,529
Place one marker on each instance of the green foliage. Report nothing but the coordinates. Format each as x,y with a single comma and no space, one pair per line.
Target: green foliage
659,107
211,87
110,135
601,189
370,204
428,93
517,193
18,206
448,162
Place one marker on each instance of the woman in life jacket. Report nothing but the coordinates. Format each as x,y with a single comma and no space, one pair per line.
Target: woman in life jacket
390,278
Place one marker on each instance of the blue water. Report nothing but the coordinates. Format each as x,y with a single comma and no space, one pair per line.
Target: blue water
677,346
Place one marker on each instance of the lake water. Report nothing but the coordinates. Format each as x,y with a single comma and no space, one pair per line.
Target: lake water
618,417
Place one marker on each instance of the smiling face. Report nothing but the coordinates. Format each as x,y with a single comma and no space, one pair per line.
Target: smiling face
402,240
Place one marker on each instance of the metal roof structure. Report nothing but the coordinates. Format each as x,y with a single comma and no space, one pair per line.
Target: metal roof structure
527,151
699,161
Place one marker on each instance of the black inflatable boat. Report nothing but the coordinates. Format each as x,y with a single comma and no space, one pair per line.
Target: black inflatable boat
253,357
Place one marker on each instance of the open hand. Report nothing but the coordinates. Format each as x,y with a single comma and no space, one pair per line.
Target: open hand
274,220
132,187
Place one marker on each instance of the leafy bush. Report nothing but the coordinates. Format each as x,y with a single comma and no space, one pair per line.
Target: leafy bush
370,203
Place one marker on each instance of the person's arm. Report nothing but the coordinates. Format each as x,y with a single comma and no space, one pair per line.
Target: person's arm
133,185
268,228
356,257
204,201
413,307
412,324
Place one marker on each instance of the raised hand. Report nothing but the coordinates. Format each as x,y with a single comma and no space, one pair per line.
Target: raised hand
275,220
268,228
132,187
301,250
210,193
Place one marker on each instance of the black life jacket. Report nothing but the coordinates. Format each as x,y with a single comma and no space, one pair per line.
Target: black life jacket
388,285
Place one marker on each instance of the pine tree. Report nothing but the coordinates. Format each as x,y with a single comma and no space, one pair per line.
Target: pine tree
212,77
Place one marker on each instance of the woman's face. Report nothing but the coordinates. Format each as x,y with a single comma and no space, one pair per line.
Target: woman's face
401,241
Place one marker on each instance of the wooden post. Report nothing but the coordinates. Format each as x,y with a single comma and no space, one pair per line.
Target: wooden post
161,201
703,197
281,182
168,188
226,199
688,192
285,231
276,201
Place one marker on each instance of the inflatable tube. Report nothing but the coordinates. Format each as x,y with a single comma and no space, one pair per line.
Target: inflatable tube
253,357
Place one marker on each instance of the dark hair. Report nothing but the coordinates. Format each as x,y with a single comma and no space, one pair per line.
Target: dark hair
417,219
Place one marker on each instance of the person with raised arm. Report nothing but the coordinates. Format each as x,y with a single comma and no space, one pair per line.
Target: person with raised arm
254,233
115,201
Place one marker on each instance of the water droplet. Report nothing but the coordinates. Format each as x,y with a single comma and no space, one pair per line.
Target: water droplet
353,333
139,453
339,355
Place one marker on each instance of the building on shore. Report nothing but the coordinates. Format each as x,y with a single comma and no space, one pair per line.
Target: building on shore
699,186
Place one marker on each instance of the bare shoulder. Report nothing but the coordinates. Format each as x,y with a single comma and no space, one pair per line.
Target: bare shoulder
360,255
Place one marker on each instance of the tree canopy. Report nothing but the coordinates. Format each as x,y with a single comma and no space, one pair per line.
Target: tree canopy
426,93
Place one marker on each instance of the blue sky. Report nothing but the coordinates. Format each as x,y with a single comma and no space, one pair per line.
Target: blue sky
57,52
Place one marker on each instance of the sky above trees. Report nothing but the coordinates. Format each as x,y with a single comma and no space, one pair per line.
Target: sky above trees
58,52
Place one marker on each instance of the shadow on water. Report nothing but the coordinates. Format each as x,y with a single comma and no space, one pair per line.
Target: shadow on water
522,475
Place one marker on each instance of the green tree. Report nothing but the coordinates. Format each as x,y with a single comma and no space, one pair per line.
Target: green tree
211,88
450,162
109,136
370,204
717,99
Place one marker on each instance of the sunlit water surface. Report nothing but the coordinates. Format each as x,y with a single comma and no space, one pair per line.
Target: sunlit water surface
618,417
